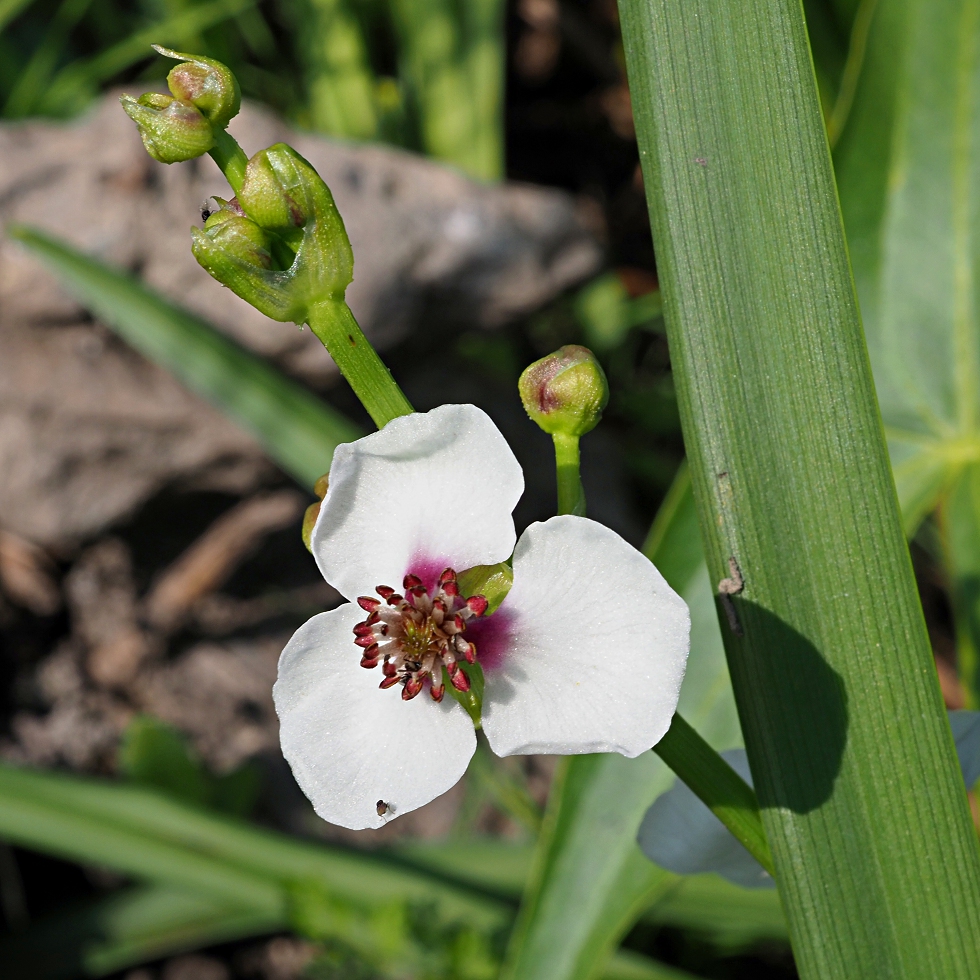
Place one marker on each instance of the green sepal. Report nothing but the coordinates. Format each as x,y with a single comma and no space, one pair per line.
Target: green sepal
205,83
471,700
172,131
284,196
493,582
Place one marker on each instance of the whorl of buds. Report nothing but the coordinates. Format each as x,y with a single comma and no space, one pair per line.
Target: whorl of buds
181,126
285,199
565,392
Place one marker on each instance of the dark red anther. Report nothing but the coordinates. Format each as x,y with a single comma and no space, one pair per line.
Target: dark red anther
369,661
394,599
368,604
365,641
459,679
363,629
373,618
412,687
477,604
450,588
388,682
384,591
389,669
470,653
437,692
448,575
459,623
411,582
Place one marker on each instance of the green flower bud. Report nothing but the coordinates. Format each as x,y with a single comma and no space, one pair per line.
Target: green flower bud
237,252
171,130
205,83
285,197
565,392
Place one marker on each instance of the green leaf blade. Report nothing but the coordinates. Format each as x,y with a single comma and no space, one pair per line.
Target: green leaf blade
842,717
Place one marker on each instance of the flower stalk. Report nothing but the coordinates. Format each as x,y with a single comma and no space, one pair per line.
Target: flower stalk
334,325
571,493
717,785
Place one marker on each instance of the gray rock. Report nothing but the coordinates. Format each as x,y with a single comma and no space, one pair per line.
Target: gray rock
88,430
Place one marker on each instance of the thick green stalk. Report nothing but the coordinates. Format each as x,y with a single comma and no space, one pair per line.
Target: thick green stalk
854,768
717,785
571,495
230,158
338,331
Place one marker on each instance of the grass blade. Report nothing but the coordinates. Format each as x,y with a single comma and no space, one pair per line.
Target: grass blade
77,82
297,429
876,858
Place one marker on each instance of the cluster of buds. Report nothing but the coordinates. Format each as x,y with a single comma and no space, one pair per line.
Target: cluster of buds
418,635
183,125
280,244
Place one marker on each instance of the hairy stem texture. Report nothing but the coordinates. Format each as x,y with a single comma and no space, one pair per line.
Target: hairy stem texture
862,801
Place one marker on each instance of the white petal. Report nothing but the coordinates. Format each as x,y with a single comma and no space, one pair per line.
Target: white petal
596,651
351,744
429,489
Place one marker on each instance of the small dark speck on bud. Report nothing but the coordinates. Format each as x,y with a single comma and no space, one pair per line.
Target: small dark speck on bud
353,342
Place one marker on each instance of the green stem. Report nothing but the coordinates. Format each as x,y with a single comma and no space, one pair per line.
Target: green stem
571,495
717,785
335,326
230,158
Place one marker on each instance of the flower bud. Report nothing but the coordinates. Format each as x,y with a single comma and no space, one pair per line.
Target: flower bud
313,511
565,392
285,199
171,130
206,84
237,252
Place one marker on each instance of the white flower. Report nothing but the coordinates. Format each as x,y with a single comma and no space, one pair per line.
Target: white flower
585,654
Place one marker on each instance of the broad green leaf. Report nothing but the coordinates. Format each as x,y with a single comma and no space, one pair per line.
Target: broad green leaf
590,880
862,801
297,429
908,167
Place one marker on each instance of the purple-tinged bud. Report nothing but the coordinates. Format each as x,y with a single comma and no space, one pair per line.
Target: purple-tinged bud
565,392
206,84
171,130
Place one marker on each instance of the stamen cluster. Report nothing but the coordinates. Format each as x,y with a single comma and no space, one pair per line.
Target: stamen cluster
415,635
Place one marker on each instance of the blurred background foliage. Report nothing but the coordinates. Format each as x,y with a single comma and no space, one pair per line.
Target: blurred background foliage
531,90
